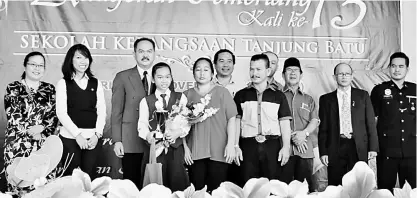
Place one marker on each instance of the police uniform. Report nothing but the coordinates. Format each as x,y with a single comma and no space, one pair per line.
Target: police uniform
396,112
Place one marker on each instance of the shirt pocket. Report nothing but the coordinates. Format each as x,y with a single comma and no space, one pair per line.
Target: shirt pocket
304,113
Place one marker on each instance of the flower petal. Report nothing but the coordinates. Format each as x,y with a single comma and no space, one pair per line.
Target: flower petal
296,188
220,192
73,187
360,181
232,189
257,188
383,193
84,177
155,191
279,188
404,192
122,189
413,193
188,192
100,186
331,192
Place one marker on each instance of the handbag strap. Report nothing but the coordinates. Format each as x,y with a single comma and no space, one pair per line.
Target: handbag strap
152,153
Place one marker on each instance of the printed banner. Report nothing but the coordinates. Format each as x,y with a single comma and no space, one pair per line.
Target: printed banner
319,33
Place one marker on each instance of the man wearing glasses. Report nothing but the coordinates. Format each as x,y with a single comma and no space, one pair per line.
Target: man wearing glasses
347,132
394,103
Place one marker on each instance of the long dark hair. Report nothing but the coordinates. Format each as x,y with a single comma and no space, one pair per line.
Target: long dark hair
68,67
25,61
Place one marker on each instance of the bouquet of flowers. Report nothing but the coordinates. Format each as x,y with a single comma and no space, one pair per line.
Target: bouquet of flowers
180,119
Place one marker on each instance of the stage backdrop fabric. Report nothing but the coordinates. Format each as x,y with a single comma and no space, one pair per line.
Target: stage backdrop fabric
320,33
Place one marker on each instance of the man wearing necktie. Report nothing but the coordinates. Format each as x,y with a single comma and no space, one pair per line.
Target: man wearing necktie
129,87
347,132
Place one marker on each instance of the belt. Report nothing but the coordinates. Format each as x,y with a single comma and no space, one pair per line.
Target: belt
263,138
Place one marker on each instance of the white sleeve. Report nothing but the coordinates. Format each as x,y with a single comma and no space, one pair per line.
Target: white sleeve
61,109
101,109
143,122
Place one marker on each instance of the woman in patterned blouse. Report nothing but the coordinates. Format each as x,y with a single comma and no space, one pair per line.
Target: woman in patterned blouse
30,111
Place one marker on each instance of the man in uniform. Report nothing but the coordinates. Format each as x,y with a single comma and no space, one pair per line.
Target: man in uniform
394,104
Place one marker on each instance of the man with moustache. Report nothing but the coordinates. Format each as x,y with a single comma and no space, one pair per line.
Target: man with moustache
129,87
273,65
394,103
263,117
347,132
303,126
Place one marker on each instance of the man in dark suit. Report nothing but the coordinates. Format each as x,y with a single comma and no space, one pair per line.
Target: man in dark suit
129,87
347,132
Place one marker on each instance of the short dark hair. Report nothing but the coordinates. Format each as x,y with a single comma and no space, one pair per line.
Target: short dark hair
335,68
25,61
216,56
399,55
206,59
68,67
257,57
159,66
143,39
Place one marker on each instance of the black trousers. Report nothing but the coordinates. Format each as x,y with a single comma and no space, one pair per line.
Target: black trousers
299,169
346,159
388,167
82,158
260,159
207,172
132,168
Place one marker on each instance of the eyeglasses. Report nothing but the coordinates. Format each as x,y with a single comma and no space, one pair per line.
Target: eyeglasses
292,70
343,75
37,66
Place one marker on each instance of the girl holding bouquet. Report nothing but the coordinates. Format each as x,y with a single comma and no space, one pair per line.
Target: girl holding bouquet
210,147
152,127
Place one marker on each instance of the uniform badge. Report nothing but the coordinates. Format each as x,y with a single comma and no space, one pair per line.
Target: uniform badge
92,89
387,93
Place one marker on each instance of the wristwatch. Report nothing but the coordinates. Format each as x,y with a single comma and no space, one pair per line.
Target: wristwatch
307,133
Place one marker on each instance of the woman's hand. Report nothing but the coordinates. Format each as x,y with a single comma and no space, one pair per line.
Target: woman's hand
187,156
92,142
81,141
229,153
37,129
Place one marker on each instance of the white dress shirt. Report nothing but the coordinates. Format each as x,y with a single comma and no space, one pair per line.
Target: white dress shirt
340,104
143,123
148,76
69,129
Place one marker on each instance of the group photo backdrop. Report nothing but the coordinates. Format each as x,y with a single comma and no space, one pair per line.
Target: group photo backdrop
319,33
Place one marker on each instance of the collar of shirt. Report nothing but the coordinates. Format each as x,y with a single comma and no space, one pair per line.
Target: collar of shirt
142,70
167,92
84,77
341,92
216,81
286,88
268,86
395,85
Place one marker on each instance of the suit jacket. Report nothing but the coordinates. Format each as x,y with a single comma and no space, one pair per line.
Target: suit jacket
127,92
363,125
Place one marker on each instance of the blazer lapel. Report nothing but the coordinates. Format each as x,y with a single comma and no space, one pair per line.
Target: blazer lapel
134,79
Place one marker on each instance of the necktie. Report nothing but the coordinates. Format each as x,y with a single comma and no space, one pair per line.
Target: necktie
145,82
346,116
164,101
